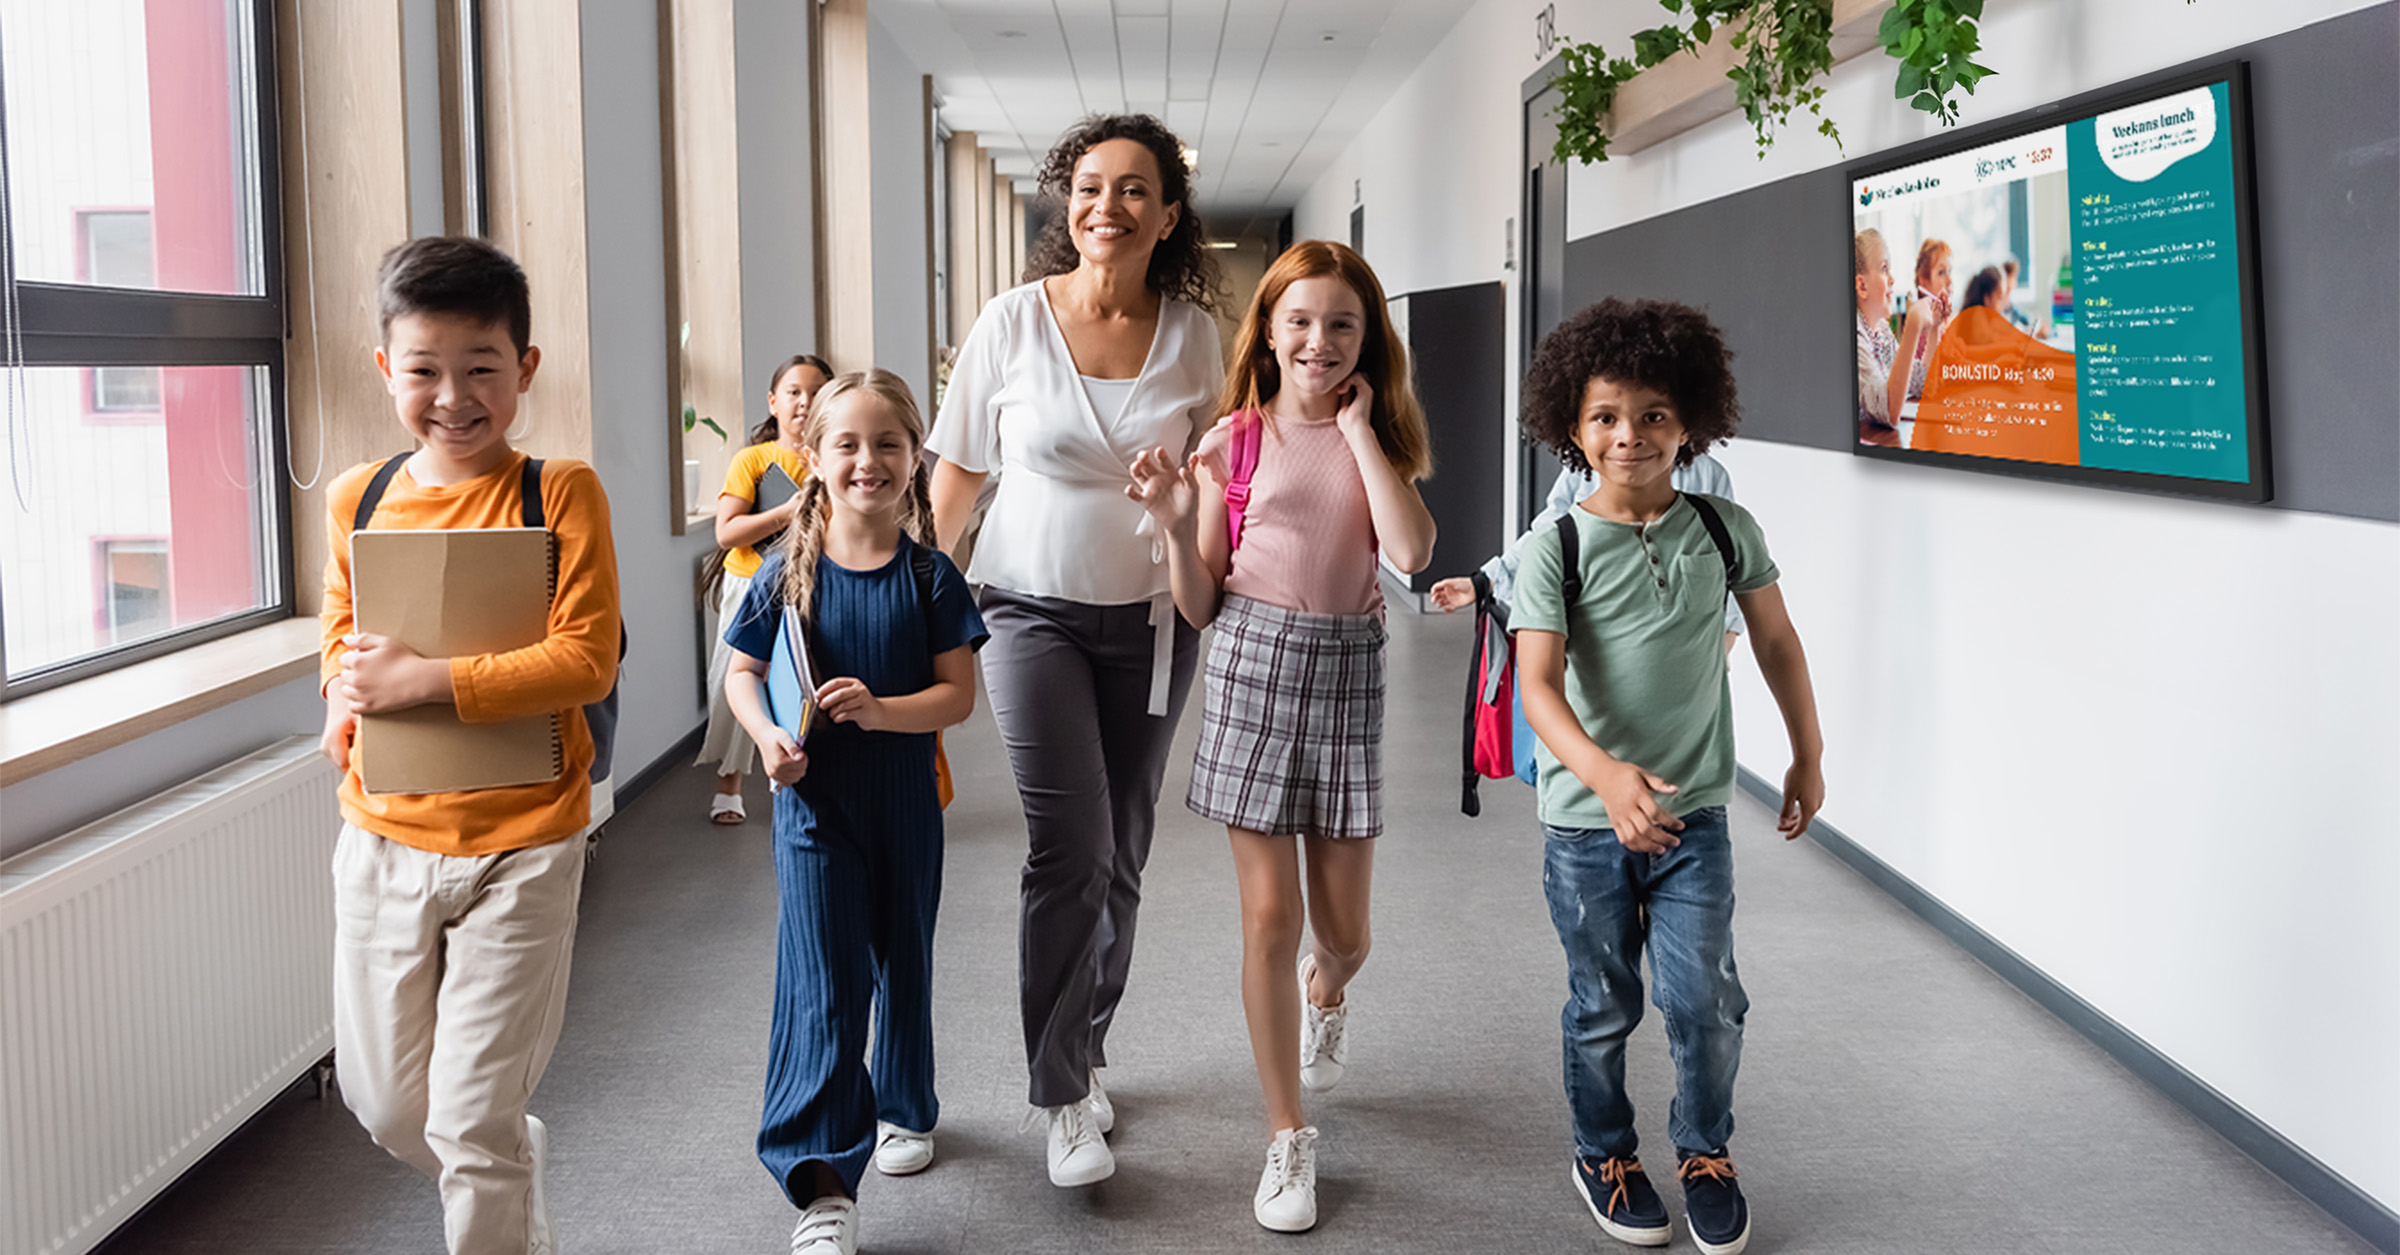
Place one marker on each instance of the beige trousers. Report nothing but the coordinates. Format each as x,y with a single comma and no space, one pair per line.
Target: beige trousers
449,983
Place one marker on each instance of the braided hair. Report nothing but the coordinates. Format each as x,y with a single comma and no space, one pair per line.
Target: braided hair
804,543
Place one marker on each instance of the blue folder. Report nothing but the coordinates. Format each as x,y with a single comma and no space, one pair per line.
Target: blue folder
791,681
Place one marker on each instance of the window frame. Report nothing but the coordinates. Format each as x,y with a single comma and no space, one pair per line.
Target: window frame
70,325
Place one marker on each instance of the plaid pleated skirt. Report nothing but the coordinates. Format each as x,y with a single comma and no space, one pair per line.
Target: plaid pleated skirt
1291,730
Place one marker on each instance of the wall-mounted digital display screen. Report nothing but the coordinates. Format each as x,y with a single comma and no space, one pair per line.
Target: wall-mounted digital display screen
2071,296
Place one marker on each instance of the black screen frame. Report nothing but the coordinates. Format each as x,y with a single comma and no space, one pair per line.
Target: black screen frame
2235,74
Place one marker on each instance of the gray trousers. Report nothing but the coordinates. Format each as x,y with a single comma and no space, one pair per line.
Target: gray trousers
1070,690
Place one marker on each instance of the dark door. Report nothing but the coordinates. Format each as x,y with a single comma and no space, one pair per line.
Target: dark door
1545,283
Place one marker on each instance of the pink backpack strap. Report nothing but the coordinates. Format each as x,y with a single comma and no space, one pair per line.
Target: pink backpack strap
1247,428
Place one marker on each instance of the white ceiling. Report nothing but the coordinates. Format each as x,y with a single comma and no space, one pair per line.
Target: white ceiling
1266,91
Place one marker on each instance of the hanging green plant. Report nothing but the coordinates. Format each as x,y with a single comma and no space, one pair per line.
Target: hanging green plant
1935,43
1787,50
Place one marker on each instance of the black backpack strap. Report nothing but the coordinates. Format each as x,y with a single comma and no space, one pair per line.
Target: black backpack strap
920,564
1470,797
373,496
1715,523
531,491
1570,562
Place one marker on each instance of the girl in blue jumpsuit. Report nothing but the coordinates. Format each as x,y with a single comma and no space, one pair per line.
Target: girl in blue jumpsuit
858,823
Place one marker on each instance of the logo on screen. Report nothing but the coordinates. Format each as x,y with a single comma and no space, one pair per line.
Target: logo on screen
1922,183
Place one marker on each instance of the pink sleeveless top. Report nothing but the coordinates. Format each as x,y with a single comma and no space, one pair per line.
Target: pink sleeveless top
1308,542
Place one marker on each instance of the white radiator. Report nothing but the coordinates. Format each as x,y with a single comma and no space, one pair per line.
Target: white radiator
164,973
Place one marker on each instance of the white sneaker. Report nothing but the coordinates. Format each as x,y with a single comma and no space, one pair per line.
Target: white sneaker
1287,1191
1104,1112
900,1152
828,1227
1077,1155
1324,1035
541,1237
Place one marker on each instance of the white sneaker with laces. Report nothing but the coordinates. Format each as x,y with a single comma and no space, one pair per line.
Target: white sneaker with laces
900,1152
1324,1035
541,1232
1077,1155
1104,1112
1287,1191
828,1227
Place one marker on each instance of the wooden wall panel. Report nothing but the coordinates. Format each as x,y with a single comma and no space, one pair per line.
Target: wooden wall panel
987,239
533,166
345,201
966,257
704,193
845,173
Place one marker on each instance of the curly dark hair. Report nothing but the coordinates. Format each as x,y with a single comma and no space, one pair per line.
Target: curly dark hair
1660,345
1181,267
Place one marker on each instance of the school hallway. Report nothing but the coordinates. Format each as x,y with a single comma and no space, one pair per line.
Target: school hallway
1895,1096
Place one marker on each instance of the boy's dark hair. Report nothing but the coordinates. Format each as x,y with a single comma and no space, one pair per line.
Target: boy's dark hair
457,275
1659,345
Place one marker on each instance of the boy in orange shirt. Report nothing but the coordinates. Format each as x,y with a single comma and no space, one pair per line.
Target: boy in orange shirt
455,912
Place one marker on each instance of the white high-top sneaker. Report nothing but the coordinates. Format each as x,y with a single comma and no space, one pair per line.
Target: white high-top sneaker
1287,1190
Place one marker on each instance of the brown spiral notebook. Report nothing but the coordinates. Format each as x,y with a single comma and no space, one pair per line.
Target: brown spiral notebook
446,593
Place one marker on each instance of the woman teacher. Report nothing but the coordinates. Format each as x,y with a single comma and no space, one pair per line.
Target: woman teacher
1108,350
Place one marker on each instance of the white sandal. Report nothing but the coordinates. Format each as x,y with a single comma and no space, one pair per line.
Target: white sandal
726,808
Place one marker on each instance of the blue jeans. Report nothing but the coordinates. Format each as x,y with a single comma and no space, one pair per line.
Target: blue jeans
1607,902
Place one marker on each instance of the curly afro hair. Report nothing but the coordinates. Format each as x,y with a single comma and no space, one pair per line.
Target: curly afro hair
1181,266
1659,345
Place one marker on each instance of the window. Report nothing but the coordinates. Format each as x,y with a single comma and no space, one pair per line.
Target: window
142,386
133,589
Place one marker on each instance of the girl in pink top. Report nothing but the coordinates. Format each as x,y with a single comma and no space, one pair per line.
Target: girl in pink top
1322,416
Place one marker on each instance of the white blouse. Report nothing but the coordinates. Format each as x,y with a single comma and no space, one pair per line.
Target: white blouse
1061,525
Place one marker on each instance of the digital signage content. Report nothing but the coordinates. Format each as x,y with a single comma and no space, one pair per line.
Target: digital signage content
2074,300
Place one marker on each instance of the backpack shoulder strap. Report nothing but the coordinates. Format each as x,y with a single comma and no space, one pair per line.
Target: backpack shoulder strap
1715,523
1248,428
1570,561
531,493
373,496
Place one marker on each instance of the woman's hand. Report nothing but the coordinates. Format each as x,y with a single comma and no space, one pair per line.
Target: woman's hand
1168,491
1455,593
846,700
381,674
783,758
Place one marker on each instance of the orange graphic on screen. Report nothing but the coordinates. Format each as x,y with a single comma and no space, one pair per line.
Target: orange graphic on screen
1993,391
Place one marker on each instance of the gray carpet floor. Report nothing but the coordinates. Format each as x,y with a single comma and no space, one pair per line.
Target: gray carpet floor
1895,1097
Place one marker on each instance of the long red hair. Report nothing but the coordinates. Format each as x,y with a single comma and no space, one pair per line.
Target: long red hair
1253,378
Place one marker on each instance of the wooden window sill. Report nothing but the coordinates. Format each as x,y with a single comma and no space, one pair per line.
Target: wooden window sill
50,729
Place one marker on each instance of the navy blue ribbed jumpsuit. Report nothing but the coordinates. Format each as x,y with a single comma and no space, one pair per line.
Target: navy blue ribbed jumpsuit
858,862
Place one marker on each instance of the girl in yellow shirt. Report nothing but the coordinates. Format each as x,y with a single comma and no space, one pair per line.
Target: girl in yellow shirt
740,530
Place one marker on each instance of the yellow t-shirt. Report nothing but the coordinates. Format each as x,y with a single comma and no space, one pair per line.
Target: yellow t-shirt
741,480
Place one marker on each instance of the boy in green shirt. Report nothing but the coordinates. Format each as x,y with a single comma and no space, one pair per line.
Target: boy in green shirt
1625,683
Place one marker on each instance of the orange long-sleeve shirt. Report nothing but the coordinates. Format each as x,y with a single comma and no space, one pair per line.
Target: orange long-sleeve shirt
574,664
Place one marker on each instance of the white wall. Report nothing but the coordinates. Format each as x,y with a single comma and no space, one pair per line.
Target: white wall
2147,744
625,222
896,121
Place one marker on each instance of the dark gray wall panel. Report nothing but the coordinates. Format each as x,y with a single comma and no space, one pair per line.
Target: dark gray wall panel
2325,112
1458,338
